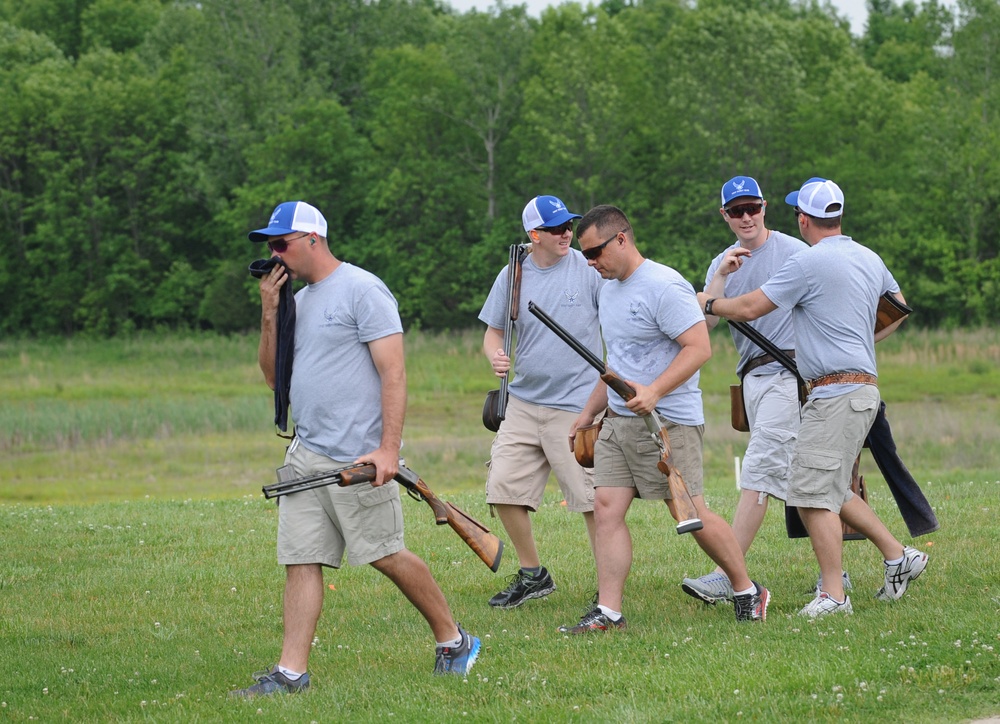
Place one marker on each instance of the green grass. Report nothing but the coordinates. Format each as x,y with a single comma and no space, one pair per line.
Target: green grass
138,579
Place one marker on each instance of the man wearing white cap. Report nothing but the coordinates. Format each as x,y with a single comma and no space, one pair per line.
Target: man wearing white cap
348,395
550,387
832,289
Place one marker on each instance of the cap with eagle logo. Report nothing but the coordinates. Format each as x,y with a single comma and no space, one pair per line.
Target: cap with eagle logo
546,211
740,186
291,216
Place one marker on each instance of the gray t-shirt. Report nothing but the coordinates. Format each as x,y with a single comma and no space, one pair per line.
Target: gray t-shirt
755,270
336,390
832,290
641,317
547,371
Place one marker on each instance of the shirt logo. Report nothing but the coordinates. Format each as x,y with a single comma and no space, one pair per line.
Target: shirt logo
633,309
571,297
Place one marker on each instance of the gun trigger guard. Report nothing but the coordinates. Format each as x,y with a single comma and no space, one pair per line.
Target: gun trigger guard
415,494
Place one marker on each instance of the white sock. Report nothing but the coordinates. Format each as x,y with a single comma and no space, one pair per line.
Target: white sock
895,562
289,674
451,644
749,592
613,615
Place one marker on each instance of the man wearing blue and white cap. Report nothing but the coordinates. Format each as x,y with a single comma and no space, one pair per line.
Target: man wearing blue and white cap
770,391
348,396
832,289
550,387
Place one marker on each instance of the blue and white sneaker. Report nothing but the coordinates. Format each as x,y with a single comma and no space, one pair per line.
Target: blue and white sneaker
457,659
711,588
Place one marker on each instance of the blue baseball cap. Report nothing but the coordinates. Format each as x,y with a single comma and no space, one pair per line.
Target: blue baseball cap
816,196
546,211
291,216
738,187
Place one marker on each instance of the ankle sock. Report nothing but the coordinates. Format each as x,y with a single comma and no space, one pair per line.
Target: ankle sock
289,674
451,644
531,572
613,615
749,592
895,562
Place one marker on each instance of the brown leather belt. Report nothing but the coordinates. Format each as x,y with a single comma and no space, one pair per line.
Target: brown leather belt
611,413
844,378
764,359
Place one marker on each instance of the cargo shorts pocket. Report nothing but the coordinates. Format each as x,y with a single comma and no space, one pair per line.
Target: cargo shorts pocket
380,512
818,470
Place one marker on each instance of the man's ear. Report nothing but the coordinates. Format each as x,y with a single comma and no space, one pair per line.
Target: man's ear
534,235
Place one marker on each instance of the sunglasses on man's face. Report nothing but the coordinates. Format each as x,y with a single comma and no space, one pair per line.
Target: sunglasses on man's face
595,252
280,246
557,230
736,212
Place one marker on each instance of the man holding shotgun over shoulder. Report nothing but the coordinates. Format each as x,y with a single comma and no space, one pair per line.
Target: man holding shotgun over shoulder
550,387
348,395
657,340
832,289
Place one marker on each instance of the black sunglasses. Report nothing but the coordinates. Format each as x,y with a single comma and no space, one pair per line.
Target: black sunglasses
557,230
736,212
595,251
280,246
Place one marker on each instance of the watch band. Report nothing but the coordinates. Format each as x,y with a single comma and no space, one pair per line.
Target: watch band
708,305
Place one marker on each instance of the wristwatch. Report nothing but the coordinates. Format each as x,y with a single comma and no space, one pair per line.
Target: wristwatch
708,305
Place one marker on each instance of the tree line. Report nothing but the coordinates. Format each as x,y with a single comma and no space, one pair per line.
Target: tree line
141,139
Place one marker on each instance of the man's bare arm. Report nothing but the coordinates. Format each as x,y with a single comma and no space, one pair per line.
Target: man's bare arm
744,308
270,296
696,350
895,325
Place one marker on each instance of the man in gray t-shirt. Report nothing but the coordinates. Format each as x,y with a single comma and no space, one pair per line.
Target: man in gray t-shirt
348,397
657,342
550,386
770,391
832,290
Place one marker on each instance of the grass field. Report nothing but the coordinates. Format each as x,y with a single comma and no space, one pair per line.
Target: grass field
138,582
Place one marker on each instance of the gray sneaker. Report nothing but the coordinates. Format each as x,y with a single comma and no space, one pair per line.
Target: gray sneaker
823,605
819,584
457,659
710,588
523,588
271,682
898,576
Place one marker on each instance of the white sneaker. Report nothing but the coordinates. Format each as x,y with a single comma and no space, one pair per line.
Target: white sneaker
899,575
823,605
711,588
819,583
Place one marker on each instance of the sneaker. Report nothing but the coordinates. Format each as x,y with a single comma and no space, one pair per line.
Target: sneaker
898,576
819,584
523,588
594,620
457,659
271,682
752,606
710,588
823,605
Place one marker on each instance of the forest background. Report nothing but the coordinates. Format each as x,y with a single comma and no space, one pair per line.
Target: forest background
141,139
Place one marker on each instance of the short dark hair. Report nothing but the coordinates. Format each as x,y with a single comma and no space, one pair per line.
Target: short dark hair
606,218
832,222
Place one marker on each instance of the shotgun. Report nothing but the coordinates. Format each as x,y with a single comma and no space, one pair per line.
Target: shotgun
495,407
484,544
683,508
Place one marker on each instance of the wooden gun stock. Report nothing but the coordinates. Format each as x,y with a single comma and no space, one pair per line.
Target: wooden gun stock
681,506
889,311
484,544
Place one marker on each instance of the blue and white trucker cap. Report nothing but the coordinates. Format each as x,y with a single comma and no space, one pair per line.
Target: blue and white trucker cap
816,197
291,216
546,211
740,186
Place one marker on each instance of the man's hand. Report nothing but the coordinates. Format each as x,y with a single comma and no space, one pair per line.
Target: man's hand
732,261
583,420
644,402
270,287
500,362
386,464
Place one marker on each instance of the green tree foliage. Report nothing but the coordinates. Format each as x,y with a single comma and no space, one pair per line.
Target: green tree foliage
141,139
